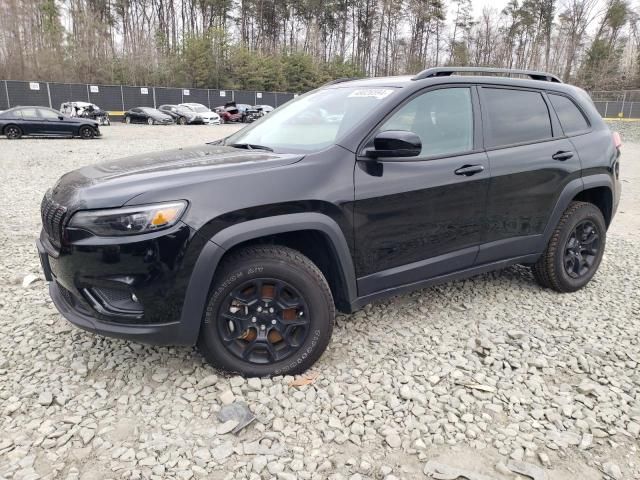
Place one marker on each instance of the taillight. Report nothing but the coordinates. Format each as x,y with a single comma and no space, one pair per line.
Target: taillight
617,140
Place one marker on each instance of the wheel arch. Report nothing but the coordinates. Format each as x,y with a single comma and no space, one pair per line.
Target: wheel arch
592,188
600,196
315,235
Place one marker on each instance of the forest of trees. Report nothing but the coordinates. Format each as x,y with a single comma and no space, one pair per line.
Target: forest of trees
294,45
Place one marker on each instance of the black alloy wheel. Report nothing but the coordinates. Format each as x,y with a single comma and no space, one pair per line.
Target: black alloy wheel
87,133
182,120
264,320
270,312
150,121
13,132
581,249
575,249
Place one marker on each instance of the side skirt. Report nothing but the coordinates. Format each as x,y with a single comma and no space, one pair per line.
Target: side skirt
459,275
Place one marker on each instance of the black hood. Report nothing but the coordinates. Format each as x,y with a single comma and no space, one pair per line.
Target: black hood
112,184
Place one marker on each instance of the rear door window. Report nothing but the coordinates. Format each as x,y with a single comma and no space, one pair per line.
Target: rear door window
571,118
29,113
514,116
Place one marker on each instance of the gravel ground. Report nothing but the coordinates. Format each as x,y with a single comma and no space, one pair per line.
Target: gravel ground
475,375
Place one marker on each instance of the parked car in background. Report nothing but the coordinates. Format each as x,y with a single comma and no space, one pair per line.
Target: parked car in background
151,116
19,121
264,109
209,117
229,113
86,110
181,115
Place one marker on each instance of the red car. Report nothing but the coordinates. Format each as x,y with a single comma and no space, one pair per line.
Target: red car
229,114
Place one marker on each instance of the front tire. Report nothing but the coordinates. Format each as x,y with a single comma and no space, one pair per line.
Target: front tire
575,250
13,132
87,133
182,121
127,120
270,312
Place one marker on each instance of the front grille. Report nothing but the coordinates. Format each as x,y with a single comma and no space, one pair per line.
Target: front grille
53,218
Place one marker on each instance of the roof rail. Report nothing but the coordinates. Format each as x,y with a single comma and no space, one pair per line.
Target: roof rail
448,71
340,80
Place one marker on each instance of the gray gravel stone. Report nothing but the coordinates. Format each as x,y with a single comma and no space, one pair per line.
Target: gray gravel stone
493,367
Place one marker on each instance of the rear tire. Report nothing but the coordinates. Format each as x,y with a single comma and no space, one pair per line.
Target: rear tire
270,312
575,250
127,119
150,121
12,132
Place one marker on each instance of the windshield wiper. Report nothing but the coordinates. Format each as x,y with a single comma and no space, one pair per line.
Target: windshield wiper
251,146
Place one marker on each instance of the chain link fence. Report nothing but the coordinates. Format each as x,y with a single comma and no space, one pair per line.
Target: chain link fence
117,99
617,103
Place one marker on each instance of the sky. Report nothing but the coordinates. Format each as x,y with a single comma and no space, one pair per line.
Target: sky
478,5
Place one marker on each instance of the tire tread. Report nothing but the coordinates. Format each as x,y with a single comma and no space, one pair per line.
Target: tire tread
544,270
288,256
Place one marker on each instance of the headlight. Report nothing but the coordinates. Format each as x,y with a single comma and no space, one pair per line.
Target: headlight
129,220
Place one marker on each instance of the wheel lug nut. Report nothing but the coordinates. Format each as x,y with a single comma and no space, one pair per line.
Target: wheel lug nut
254,319
259,309
271,310
262,327
273,322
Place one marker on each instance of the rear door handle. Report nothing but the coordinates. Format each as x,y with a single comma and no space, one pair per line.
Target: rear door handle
469,170
562,155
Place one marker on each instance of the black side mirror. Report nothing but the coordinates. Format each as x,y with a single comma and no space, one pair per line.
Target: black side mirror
60,117
395,143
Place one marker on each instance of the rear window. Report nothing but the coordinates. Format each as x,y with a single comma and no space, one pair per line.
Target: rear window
571,118
515,116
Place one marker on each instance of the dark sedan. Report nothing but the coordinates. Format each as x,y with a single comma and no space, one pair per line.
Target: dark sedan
151,116
20,121
181,115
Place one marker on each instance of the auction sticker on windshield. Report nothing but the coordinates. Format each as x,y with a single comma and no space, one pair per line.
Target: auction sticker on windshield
372,92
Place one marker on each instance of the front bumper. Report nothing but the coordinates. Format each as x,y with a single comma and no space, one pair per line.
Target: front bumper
81,317
155,268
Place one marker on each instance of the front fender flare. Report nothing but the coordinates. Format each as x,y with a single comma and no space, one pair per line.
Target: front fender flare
197,293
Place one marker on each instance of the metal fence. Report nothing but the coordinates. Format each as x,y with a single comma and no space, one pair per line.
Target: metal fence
617,103
116,99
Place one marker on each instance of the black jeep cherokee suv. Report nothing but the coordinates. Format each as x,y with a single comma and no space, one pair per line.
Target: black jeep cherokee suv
352,192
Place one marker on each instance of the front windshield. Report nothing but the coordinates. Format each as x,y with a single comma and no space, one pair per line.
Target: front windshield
150,110
314,121
199,108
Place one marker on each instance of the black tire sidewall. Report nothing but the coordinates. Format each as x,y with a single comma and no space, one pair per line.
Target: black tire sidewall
320,311
588,212
84,129
14,137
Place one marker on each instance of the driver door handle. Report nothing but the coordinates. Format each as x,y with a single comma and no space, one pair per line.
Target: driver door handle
468,170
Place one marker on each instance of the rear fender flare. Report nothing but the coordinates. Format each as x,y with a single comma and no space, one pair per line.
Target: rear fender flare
197,294
569,192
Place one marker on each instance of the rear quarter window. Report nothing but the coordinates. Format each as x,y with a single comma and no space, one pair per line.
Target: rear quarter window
515,116
571,118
